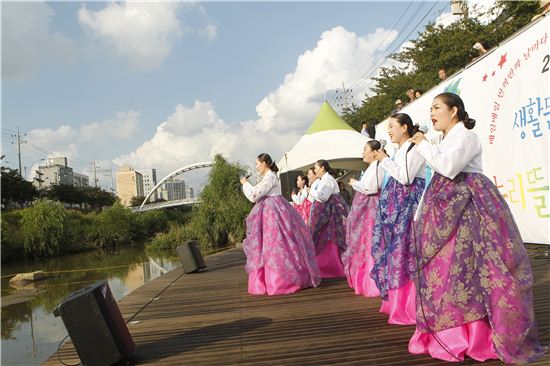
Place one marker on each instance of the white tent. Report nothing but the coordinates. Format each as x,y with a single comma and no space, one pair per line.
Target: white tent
330,138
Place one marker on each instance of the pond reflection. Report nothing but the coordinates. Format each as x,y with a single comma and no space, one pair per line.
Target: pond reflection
30,332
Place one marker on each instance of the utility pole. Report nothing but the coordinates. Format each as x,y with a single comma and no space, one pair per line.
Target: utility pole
93,169
19,142
342,98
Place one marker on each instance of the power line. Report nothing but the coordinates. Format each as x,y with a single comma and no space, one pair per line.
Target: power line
379,46
415,28
375,66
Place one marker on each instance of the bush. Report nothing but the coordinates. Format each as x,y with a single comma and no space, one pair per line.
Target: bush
12,237
219,218
79,230
113,226
175,236
146,224
42,226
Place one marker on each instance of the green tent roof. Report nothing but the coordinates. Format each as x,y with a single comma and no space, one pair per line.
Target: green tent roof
327,119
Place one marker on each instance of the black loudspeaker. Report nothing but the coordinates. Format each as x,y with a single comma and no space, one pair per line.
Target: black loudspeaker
96,326
191,257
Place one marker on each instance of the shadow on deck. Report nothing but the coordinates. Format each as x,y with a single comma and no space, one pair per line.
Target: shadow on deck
208,318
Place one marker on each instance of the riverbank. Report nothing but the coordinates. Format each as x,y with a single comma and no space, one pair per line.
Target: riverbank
47,229
209,318
30,332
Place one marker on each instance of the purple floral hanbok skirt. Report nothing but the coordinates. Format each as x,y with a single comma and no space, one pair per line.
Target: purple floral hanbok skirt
280,255
475,274
327,226
357,258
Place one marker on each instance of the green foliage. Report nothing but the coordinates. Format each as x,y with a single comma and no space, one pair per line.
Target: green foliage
15,190
113,226
175,236
94,197
42,226
12,237
136,201
219,219
146,224
437,46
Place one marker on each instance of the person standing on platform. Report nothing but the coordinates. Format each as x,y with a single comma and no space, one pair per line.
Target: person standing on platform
300,201
357,258
474,294
280,255
327,221
392,242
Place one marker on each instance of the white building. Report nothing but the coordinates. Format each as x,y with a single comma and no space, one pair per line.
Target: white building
149,182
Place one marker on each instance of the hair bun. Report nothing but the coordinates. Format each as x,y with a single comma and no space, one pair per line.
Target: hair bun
469,123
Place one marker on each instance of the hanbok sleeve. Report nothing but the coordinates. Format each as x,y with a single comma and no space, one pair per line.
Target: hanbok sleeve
323,191
397,169
453,159
254,193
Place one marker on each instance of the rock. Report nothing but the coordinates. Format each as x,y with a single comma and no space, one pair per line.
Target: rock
27,277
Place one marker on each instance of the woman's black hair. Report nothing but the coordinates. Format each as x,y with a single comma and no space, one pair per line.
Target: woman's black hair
452,100
324,164
405,120
374,145
304,178
265,158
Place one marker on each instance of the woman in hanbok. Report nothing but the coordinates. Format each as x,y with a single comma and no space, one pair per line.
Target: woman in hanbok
299,199
392,241
474,294
357,258
327,221
280,255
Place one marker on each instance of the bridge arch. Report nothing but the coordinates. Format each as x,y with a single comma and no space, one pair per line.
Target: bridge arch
174,174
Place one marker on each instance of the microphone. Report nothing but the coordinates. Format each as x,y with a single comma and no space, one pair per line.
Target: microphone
423,129
383,144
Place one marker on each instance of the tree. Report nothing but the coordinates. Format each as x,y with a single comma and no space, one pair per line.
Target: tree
16,190
42,226
219,218
436,47
136,201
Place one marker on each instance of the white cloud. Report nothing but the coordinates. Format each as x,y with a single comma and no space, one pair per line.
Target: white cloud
123,126
28,42
144,33
196,133
66,140
210,31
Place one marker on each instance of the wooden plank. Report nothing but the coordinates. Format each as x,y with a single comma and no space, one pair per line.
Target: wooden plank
208,318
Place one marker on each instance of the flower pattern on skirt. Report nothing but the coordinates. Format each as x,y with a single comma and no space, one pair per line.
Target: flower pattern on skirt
278,238
359,228
474,264
327,223
392,240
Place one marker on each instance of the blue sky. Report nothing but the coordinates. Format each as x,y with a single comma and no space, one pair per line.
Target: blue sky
166,84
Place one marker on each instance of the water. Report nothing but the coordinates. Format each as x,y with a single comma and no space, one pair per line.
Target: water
30,332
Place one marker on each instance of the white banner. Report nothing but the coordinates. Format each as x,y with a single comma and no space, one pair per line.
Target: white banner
508,94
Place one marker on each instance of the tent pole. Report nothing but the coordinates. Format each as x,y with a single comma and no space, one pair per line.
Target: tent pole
287,172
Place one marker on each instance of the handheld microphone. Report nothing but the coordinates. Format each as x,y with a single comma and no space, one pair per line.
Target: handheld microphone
423,129
383,144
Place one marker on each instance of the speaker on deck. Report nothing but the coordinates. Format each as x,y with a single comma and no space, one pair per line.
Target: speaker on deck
191,257
96,326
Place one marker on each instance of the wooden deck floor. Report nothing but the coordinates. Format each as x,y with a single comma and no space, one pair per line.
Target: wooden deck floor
209,319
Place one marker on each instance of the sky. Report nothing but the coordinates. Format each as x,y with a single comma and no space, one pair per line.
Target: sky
166,84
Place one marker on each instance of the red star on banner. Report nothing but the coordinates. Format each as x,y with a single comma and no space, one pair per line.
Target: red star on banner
502,60
493,74
485,77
